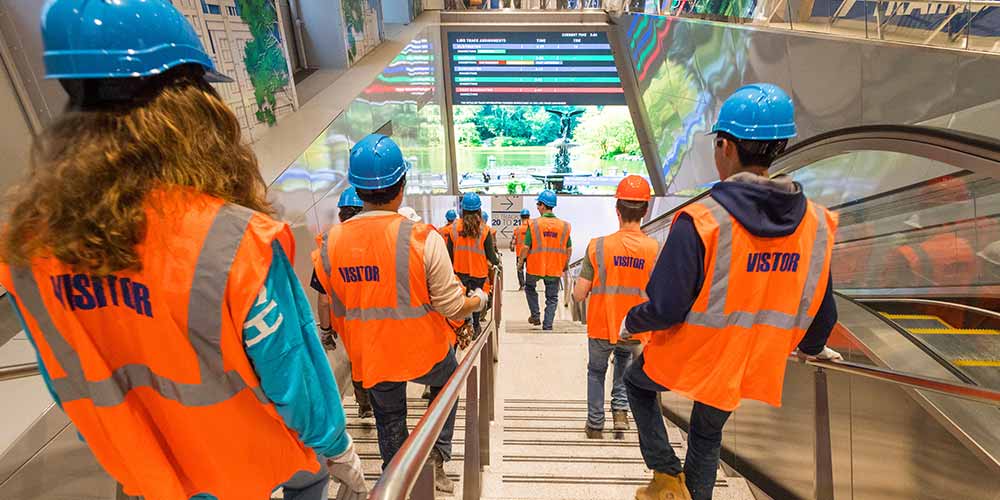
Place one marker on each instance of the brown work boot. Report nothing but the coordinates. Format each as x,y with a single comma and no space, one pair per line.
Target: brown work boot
442,482
664,487
621,419
532,320
594,433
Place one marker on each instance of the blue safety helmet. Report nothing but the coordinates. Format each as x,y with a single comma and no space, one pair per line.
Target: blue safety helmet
471,202
119,39
525,213
349,198
757,112
486,216
451,215
547,198
376,163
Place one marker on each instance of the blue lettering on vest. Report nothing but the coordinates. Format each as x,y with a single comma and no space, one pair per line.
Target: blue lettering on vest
763,262
357,274
628,261
85,292
550,234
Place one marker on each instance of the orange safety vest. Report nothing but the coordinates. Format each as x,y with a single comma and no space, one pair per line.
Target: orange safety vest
150,365
759,297
373,269
445,231
548,254
469,253
945,258
622,264
519,233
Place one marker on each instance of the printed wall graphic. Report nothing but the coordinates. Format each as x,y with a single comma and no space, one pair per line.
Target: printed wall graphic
245,41
264,57
363,27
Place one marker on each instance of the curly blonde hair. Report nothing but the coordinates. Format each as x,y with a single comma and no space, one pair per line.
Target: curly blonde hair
91,171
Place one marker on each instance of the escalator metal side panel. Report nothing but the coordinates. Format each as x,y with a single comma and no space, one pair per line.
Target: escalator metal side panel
971,423
31,442
63,468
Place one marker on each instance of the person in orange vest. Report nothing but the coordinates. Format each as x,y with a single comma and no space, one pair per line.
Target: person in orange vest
614,274
348,206
168,321
449,217
391,286
742,279
548,247
471,248
517,246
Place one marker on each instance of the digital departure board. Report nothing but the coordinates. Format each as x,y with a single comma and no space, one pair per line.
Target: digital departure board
571,69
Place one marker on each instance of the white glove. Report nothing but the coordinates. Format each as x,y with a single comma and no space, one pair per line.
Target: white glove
484,298
346,468
623,332
828,354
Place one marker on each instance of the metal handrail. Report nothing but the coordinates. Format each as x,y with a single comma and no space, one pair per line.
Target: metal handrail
953,389
21,370
409,470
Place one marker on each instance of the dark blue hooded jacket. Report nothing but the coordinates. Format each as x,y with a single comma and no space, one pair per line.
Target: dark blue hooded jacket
765,209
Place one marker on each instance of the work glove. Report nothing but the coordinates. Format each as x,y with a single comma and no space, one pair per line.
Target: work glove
484,298
346,468
623,332
828,354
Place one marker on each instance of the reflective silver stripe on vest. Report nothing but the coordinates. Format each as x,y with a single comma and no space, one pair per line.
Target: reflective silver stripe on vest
324,253
924,264
205,310
456,247
602,272
403,309
715,315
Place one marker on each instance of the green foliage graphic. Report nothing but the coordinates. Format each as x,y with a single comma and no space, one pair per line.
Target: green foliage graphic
263,56
354,17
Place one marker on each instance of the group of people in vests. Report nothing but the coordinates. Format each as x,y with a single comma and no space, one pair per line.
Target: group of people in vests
171,329
742,280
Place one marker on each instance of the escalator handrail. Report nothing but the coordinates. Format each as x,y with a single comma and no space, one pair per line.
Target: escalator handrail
845,140
20,370
954,389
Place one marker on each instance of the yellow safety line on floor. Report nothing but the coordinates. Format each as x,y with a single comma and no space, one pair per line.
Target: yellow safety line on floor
953,331
910,316
976,362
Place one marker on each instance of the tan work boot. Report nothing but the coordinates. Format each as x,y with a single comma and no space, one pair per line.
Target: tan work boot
594,433
621,419
664,487
442,482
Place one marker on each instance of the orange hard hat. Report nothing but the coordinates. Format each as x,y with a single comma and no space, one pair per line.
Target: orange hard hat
633,188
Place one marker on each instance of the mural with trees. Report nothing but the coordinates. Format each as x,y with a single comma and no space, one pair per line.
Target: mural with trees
264,56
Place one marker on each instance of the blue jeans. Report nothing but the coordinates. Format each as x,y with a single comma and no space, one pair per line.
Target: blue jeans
471,283
704,438
551,298
308,486
388,401
597,368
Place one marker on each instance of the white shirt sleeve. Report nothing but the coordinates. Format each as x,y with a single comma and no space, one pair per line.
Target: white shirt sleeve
447,293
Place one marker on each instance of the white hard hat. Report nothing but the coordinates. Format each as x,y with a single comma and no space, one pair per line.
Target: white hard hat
409,213
991,253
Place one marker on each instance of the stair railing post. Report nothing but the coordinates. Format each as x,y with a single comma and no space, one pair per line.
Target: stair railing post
424,487
472,468
823,440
